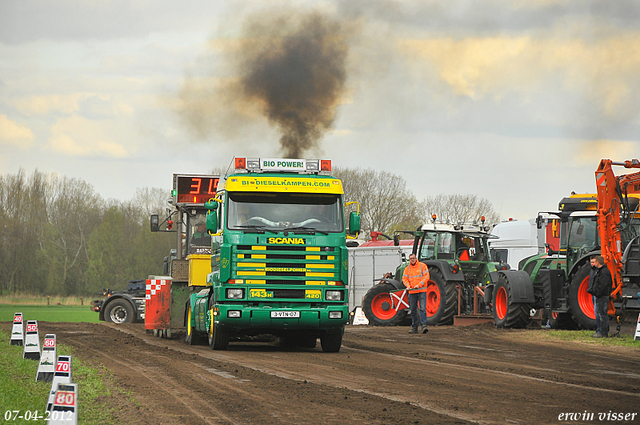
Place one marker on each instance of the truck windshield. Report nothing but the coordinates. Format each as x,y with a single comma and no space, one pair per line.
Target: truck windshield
294,212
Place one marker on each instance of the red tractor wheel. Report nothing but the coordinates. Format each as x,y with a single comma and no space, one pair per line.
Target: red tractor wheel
506,313
379,308
442,300
580,301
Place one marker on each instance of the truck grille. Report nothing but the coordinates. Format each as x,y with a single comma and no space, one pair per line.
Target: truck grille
279,265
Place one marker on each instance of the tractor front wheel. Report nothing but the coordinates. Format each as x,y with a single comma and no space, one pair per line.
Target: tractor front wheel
378,307
506,313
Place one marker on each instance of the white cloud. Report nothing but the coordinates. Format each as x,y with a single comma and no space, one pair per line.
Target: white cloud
14,134
605,70
48,104
78,136
593,151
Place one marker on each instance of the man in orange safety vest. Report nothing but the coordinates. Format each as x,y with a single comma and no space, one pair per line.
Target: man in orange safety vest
415,278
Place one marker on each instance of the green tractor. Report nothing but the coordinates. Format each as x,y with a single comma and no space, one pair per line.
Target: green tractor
561,278
464,281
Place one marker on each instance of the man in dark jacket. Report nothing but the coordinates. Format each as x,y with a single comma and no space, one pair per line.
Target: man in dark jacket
601,288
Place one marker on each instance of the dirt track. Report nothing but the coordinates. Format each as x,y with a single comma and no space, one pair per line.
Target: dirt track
382,375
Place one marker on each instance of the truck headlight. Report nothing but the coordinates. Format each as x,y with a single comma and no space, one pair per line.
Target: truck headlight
235,294
335,315
333,295
234,314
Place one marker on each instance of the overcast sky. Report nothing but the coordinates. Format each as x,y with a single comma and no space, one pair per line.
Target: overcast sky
515,101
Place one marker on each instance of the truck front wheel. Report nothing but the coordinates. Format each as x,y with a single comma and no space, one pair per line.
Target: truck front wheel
218,339
119,311
331,341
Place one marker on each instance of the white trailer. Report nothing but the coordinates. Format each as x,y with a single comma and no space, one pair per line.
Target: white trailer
518,240
371,261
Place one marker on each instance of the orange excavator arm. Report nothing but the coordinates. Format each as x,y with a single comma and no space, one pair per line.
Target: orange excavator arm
612,201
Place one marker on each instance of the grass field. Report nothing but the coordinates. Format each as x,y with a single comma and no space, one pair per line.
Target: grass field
26,299
48,313
20,392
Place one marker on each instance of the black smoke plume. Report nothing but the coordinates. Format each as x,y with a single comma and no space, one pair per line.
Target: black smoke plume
290,68
296,71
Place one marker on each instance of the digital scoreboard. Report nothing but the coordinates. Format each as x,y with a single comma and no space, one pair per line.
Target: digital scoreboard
194,189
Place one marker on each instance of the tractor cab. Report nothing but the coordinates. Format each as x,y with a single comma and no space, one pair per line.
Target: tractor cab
464,246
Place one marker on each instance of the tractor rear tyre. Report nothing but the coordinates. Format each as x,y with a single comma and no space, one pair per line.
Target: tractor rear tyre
331,341
119,311
377,306
442,299
580,301
506,313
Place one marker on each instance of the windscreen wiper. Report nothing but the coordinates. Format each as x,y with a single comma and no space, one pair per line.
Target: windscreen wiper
254,228
303,229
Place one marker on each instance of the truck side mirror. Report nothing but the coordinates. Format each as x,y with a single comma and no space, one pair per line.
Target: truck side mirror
539,222
212,216
396,240
354,223
154,221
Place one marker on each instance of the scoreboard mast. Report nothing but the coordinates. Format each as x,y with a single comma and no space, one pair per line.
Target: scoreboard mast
194,189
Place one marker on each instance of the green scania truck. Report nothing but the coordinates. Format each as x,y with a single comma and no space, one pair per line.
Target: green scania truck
279,257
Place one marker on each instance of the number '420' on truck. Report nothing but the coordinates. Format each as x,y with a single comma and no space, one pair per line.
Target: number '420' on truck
279,256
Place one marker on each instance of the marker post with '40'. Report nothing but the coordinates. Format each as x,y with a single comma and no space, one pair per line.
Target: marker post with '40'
279,256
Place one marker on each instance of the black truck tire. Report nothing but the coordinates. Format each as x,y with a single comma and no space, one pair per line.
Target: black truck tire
506,313
377,306
331,341
442,299
119,311
218,338
580,301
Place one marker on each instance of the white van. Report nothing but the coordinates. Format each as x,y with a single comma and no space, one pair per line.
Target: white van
518,240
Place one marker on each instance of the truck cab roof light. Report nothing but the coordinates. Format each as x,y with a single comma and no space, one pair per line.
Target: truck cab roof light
240,163
253,164
301,166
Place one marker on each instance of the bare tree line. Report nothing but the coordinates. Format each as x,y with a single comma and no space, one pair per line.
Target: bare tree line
59,237
386,205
